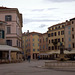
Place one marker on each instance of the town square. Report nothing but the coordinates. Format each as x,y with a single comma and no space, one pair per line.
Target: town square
37,37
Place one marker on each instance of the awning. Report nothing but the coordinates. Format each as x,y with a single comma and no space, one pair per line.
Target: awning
7,48
69,52
65,52
54,52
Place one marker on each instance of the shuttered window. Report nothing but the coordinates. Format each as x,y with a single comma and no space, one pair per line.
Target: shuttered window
8,18
2,34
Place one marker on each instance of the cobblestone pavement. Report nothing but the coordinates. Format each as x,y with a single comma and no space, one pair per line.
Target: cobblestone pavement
32,68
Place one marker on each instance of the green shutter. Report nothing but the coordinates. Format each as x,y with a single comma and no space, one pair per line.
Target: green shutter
3,34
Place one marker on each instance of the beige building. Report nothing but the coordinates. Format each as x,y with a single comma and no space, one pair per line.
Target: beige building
43,46
55,35
13,28
6,52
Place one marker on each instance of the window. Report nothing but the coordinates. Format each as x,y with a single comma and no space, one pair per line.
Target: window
46,39
73,45
51,34
8,18
38,39
72,36
43,46
2,34
72,29
62,39
52,40
48,35
33,44
55,40
58,26
58,32
40,47
69,39
55,34
62,26
55,27
69,27
69,45
9,42
17,42
33,49
8,30
33,39
49,41
69,32
49,48
37,49
38,44
59,40
55,47
72,22
52,47
62,32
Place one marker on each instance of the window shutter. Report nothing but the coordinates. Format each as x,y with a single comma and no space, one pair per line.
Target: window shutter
3,34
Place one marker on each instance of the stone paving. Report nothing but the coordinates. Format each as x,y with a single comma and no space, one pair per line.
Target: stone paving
35,67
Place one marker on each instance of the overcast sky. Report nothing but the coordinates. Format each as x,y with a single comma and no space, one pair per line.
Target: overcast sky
38,15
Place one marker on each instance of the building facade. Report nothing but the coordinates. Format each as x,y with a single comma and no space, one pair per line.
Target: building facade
68,35
31,44
73,33
13,27
55,35
43,45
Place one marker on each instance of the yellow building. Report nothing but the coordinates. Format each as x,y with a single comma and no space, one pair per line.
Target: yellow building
55,34
31,44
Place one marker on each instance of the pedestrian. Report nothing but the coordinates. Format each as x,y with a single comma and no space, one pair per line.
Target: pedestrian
38,57
29,57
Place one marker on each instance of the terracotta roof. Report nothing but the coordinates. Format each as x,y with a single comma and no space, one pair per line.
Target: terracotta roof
34,33
43,34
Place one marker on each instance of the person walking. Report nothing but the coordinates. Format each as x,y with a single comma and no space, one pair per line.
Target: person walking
29,57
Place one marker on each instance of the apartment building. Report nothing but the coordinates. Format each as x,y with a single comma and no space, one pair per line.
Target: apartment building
13,28
73,33
31,44
6,52
43,46
55,34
